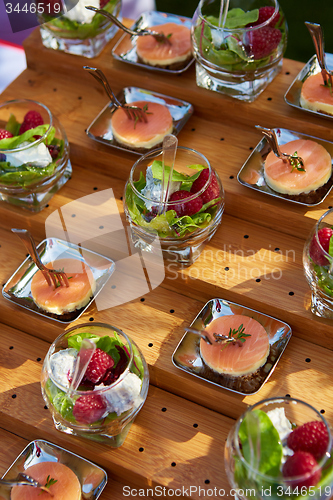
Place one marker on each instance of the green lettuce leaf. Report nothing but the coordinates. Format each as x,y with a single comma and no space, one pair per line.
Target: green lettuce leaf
25,174
14,142
106,343
261,446
12,125
157,171
237,18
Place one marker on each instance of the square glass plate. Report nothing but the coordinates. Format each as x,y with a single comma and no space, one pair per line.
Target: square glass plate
312,67
92,478
100,129
252,172
125,48
18,287
187,354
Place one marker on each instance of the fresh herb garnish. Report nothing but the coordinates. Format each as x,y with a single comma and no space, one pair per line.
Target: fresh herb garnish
329,85
238,334
146,112
296,163
49,482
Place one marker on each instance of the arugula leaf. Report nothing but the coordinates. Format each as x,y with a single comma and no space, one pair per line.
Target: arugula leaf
260,442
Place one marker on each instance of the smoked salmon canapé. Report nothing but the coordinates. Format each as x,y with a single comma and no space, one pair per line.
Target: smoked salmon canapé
137,134
174,52
316,96
240,358
285,178
64,299
61,481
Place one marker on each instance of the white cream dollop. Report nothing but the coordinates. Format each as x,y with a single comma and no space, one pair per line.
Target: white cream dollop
124,395
80,14
39,156
153,188
62,365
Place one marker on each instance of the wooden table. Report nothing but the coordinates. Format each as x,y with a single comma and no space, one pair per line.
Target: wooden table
178,437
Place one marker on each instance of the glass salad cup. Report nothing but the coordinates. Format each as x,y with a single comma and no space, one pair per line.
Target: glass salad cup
120,401
256,449
318,266
34,164
181,238
78,31
242,58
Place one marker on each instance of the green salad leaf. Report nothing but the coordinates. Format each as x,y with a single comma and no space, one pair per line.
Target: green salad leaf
330,248
106,343
25,174
157,171
236,18
14,142
13,125
261,446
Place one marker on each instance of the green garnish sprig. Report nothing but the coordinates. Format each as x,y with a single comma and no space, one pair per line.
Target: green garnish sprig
49,482
329,85
296,163
238,334
146,112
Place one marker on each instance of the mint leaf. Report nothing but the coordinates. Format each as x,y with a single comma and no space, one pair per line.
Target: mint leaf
260,442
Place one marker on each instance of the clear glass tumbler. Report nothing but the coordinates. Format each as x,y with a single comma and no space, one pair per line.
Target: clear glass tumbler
78,31
280,448
34,154
111,392
318,265
190,216
244,56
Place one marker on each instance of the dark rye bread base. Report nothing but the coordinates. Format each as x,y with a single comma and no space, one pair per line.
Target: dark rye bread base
311,198
172,67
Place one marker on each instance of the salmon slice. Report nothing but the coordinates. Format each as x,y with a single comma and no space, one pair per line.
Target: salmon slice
64,299
158,53
316,96
67,486
271,325
141,134
234,359
280,176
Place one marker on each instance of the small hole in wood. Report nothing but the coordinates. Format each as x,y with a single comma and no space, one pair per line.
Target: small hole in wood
195,425
113,287
13,396
79,98
330,206
73,215
246,236
207,481
142,300
308,360
222,139
269,98
287,72
173,464
121,198
164,409
46,407
150,344
172,311
258,280
47,206
231,177
291,293
276,249
141,449
39,359
95,188
226,268
91,319
11,347
287,395
192,129
322,411
250,148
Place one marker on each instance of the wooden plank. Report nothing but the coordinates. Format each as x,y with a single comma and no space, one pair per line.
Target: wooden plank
216,117
175,453
12,446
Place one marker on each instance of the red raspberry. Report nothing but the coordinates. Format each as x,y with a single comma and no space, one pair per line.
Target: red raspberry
261,42
89,408
31,120
188,207
5,134
311,437
212,191
266,13
99,364
301,463
316,253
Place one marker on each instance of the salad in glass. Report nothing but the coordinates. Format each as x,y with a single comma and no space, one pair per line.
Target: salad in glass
74,29
110,391
280,448
184,215
34,154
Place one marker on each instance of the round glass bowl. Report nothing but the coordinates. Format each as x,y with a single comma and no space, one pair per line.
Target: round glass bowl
182,227
258,462
318,266
242,58
78,31
98,410
34,163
